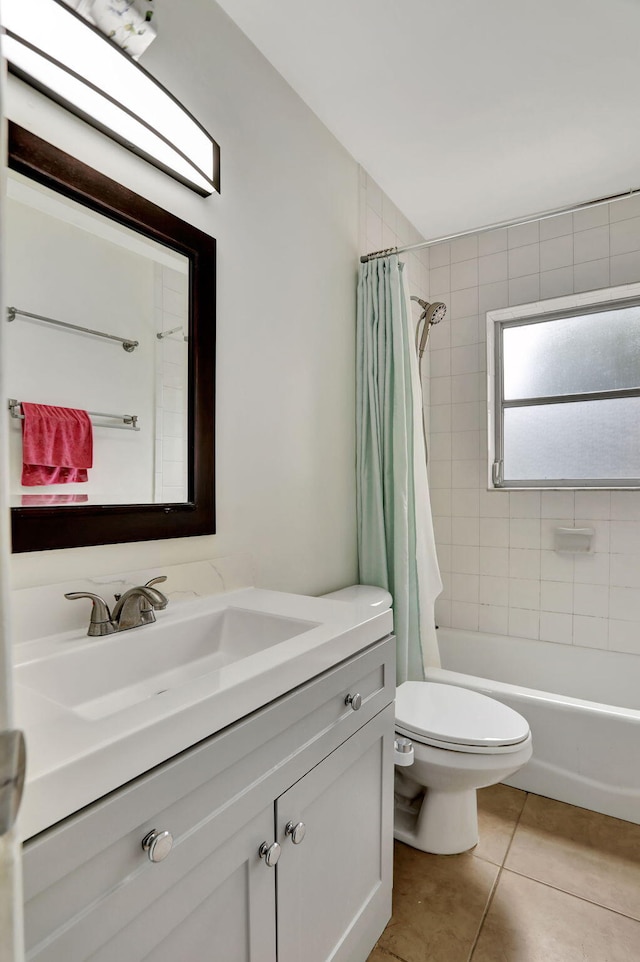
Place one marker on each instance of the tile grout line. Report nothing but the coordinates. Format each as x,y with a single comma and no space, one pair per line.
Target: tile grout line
580,898
495,884
392,955
515,829
389,952
555,888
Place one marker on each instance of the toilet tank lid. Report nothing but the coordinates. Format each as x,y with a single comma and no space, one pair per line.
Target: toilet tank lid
369,595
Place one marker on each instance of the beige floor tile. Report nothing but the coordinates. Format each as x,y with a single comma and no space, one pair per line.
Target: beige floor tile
438,904
530,922
587,854
499,808
379,955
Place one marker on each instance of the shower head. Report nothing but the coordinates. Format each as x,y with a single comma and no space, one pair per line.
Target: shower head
436,313
431,314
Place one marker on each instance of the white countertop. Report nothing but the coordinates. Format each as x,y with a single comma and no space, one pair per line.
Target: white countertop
73,760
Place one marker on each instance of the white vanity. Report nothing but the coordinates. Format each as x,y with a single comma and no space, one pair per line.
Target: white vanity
265,754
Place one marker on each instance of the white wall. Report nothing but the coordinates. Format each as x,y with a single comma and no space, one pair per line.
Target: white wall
495,547
287,229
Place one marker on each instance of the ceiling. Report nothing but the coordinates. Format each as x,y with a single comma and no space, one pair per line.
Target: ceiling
467,112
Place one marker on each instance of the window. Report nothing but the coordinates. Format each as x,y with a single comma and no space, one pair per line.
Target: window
566,393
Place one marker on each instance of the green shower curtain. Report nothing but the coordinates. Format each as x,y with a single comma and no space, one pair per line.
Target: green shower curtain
396,547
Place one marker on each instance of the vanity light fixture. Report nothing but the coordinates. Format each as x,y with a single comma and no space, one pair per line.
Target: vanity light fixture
58,52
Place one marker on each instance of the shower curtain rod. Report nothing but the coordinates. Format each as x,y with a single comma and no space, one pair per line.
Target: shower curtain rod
556,212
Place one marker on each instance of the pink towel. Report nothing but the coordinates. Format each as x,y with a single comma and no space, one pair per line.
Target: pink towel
39,500
57,445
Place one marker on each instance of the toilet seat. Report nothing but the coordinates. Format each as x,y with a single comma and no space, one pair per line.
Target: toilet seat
458,719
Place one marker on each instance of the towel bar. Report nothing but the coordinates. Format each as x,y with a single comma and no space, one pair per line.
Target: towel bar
127,343
129,421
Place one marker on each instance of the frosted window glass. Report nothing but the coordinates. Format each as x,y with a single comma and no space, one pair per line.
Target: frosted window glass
579,440
573,355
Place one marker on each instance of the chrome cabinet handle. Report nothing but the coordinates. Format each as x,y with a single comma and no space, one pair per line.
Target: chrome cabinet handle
270,853
355,701
296,830
157,845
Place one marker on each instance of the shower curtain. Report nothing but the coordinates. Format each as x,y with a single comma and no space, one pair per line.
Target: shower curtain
396,546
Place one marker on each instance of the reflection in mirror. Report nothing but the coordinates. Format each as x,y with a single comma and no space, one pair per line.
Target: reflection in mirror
74,266
106,289
68,264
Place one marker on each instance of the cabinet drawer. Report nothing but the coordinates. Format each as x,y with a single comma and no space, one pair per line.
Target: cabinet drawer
90,873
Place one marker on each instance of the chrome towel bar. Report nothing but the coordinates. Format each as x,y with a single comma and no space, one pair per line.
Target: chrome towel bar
129,421
127,343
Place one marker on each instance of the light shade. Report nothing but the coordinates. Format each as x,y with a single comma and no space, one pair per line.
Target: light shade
55,50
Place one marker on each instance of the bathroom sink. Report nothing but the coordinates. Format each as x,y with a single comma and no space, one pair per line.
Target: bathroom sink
98,712
100,677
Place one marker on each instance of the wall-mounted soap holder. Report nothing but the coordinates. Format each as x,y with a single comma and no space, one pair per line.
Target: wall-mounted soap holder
573,540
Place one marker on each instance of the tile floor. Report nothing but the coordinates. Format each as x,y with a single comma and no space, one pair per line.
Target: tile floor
547,882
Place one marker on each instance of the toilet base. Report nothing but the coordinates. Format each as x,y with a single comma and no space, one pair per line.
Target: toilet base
446,823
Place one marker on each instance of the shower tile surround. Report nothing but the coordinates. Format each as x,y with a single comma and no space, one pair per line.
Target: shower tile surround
495,548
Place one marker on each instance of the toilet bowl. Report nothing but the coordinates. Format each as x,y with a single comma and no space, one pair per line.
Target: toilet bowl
462,741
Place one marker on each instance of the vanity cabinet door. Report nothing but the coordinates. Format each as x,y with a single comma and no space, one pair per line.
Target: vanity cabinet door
223,909
211,899
334,886
91,892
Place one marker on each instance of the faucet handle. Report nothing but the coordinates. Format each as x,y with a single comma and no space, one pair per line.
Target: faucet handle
100,622
147,615
156,581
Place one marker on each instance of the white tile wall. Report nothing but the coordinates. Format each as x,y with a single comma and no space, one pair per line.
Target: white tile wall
496,547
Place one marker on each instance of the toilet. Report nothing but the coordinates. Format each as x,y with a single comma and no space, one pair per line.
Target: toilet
450,741
459,741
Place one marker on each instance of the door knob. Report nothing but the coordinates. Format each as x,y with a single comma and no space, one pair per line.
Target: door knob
355,701
270,853
296,830
157,845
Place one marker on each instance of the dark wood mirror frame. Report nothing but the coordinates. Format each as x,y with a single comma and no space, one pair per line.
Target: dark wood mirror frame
42,528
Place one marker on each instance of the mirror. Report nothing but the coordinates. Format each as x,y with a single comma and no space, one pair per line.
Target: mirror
130,373
111,310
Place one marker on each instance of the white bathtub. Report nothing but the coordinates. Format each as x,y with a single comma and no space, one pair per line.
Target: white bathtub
582,705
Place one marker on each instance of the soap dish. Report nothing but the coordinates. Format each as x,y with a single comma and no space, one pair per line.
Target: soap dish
574,540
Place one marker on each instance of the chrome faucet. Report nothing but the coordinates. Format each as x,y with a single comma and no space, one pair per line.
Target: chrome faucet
134,608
